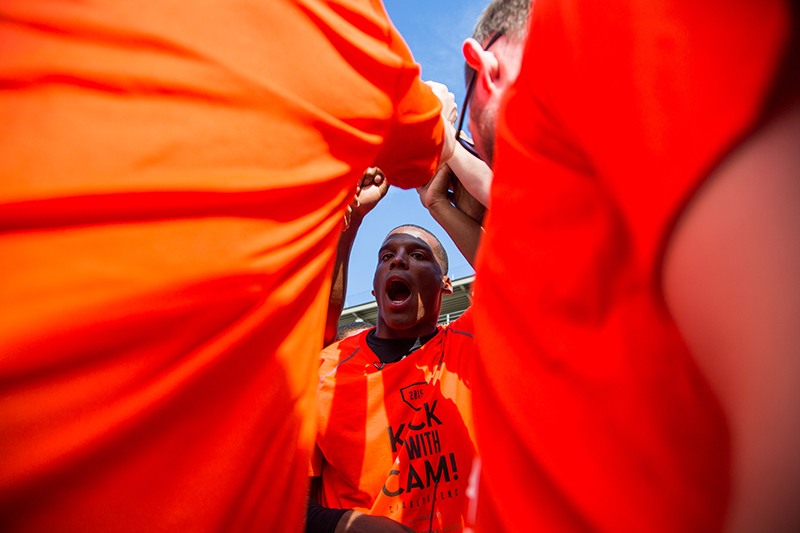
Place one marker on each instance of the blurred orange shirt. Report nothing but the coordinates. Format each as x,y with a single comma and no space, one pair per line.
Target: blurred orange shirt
172,181
397,440
590,412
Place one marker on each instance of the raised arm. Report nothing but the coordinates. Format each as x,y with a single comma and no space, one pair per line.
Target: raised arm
370,189
473,173
419,142
465,230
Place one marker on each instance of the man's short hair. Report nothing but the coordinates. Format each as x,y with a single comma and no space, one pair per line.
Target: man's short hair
510,16
438,249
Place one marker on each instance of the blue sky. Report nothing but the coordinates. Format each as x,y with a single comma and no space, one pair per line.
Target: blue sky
434,30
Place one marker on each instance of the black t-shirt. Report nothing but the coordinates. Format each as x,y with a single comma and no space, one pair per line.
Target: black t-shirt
393,350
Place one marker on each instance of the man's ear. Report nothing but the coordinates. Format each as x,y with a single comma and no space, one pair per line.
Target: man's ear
484,62
447,285
472,51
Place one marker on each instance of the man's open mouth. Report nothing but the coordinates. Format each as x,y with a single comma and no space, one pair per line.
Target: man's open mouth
398,291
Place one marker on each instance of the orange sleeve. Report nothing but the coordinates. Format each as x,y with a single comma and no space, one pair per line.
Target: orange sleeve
172,180
413,145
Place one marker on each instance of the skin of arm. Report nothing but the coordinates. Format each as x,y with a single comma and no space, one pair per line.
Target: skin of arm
449,116
474,174
371,188
732,282
465,231
464,201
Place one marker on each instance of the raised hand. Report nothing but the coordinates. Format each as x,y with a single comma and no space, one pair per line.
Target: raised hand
445,187
448,99
460,221
465,201
450,115
371,188
437,189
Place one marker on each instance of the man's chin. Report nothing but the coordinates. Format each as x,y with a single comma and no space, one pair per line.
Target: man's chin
400,323
401,327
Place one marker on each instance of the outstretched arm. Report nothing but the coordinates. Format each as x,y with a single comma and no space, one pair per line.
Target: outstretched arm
370,189
473,173
465,230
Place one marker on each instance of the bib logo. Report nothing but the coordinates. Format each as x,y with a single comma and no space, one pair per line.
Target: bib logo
433,475
427,444
421,441
413,395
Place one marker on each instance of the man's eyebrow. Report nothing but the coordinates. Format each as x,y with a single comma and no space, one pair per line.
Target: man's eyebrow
425,247
422,244
417,242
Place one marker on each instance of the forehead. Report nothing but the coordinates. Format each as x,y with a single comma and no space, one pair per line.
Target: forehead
410,235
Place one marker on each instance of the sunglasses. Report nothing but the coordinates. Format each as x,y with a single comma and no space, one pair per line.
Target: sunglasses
461,137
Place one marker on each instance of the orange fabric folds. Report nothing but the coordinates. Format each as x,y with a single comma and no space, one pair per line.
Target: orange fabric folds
591,413
172,180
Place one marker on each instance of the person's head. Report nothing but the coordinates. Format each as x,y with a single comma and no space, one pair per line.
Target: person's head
409,282
352,328
495,69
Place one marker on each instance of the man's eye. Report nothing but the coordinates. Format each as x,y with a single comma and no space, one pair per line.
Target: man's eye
385,257
418,255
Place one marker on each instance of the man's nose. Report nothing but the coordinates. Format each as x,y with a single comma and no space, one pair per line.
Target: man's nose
399,261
